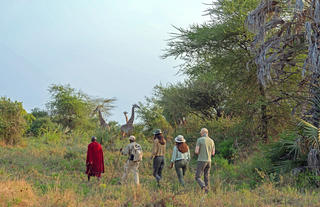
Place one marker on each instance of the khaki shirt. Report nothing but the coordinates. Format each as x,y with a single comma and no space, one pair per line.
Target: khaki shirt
206,146
128,149
158,149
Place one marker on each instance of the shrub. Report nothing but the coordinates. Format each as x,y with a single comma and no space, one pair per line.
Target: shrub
12,121
286,153
226,149
42,125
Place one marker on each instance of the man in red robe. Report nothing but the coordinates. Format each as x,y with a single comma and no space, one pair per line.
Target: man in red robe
95,163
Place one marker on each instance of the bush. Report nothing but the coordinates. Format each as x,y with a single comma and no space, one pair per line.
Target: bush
12,121
226,149
286,153
42,125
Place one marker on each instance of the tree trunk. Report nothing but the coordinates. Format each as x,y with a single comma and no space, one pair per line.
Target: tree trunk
315,93
264,117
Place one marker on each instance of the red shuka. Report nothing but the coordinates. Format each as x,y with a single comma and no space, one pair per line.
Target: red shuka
95,163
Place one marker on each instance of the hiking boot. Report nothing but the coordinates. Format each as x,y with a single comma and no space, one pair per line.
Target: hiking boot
205,189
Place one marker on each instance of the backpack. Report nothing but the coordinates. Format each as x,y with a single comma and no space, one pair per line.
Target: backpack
137,153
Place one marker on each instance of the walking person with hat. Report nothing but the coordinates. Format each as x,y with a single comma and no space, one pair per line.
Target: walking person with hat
134,152
158,152
180,157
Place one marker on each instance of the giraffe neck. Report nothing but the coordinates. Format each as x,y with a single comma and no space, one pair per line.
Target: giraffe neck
102,121
126,118
132,116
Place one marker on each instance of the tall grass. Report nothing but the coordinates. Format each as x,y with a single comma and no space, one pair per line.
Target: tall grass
47,172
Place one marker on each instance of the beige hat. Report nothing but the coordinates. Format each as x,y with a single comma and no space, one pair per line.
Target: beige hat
132,138
179,139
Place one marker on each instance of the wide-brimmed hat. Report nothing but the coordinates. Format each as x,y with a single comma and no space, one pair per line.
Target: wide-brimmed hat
179,139
157,131
132,138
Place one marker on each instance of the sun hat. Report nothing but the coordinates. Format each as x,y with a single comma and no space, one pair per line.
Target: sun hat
157,131
132,138
179,139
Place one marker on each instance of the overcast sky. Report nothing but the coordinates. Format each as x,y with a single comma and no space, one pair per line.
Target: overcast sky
106,48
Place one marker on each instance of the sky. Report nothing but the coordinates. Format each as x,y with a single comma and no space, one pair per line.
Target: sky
105,48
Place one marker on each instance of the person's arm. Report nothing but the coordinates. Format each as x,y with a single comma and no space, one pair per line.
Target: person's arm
197,148
154,149
126,150
89,155
174,152
188,155
213,150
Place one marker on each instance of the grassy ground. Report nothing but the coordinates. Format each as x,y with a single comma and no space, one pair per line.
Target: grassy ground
43,172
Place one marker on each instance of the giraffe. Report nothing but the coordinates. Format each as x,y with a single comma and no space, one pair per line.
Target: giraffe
127,128
103,123
125,114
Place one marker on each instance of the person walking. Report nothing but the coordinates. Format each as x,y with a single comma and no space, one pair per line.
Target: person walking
94,162
158,152
180,157
134,152
204,149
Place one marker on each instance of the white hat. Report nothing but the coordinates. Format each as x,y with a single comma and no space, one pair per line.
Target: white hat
132,138
179,139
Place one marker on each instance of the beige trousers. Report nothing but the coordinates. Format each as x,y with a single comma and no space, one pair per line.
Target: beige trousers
134,168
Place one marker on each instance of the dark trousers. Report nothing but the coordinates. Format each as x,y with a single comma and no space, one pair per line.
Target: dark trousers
158,164
203,168
181,167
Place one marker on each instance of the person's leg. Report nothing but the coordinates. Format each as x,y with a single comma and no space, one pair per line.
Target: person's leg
184,167
206,174
179,170
161,166
125,172
199,172
135,170
156,166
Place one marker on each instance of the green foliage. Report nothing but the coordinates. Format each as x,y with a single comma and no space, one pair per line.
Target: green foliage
70,108
12,121
226,149
286,153
152,116
202,96
42,125
248,173
38,113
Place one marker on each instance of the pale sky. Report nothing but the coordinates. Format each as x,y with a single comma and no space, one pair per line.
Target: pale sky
104,48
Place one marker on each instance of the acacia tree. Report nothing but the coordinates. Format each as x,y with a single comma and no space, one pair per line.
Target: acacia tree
69,107
202,97
220,49
287,43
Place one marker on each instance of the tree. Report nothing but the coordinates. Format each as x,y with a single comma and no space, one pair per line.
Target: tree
41,123
70,108
152,116
104,106
201,96
12,121
220,49
286,44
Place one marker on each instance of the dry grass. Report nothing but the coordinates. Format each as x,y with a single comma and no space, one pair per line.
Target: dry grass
51,175
17,193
